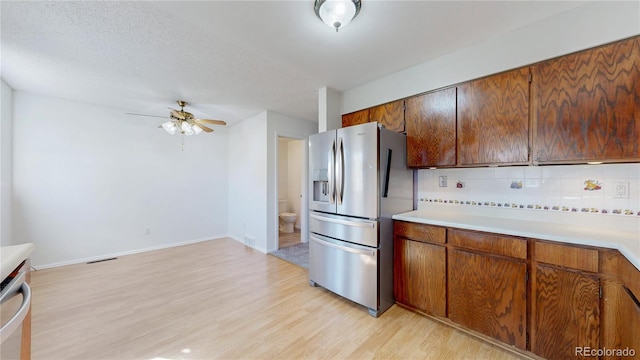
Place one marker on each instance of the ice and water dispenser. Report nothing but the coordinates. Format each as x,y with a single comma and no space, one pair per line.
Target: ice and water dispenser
320,185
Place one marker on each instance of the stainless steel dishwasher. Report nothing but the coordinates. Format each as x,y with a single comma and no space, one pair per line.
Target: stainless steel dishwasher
15,303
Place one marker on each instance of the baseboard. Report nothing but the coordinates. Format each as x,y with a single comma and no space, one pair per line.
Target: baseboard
128,252
241,241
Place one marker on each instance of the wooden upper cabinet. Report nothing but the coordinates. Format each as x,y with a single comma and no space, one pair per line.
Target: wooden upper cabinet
586,106
431,129
493,119
355,118
390,115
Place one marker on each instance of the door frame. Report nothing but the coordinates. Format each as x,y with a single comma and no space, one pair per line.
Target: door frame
273,215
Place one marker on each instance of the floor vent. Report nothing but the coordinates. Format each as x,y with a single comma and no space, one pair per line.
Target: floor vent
97,261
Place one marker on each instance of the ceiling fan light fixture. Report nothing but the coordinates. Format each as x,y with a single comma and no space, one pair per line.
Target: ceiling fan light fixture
170,127
186,128
337,13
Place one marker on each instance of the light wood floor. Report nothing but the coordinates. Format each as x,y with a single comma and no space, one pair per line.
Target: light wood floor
288,239
221,300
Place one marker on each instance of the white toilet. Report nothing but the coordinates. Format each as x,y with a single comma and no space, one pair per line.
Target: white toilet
287,219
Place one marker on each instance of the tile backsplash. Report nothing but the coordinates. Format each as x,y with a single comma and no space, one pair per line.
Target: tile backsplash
606,189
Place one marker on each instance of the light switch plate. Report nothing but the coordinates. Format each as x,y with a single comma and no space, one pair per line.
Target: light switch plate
442,181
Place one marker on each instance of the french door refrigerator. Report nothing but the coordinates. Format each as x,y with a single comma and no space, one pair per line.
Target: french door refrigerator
357,180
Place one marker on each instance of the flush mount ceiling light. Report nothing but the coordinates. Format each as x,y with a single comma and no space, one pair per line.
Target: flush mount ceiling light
337,13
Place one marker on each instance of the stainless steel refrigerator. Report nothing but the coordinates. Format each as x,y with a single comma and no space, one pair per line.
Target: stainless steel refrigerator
357,180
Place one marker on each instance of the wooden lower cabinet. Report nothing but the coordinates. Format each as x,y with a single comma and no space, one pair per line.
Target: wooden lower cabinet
565,312
420,276
546,298
620,319
488,294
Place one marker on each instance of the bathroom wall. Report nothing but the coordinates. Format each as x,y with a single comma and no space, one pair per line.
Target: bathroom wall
295,168
290,175
569,189
283,169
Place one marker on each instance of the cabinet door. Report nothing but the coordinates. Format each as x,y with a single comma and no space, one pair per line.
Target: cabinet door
565,312
620,318
586,106
488,294
431,129
493,119
420,275
355,118
390,115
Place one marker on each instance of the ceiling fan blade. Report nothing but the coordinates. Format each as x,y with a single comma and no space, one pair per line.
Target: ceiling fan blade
162,117
207,121
206,129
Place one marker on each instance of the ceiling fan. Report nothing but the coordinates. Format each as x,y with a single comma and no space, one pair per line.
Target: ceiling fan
184,122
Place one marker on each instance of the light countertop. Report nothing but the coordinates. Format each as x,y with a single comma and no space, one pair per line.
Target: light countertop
12,256
626,241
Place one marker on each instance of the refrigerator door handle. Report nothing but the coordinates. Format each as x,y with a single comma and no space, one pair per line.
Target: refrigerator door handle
330,169
385,193
340,172
361,224
344,248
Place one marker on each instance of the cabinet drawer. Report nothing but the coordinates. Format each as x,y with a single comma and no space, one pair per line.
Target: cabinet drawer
420,232
490,243
566,255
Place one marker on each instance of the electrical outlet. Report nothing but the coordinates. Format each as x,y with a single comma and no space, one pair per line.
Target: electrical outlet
442,181
147,231
621,190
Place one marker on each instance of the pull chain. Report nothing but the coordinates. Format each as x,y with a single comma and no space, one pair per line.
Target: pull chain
182,142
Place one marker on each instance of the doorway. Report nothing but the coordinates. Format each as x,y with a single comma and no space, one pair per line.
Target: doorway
290,168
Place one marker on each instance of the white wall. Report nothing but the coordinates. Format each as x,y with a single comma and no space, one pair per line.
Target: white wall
592,24
329,104
281,125
248,181
253,176
296,165
6,129
89,180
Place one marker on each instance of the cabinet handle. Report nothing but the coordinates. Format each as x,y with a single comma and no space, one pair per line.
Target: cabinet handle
633,298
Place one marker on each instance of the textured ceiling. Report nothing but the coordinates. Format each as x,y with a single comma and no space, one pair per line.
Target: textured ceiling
233,59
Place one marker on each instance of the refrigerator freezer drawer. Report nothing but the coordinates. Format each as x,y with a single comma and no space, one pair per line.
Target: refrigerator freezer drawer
359,231
345,269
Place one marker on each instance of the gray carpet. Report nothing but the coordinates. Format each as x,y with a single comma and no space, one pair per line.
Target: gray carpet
297,254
